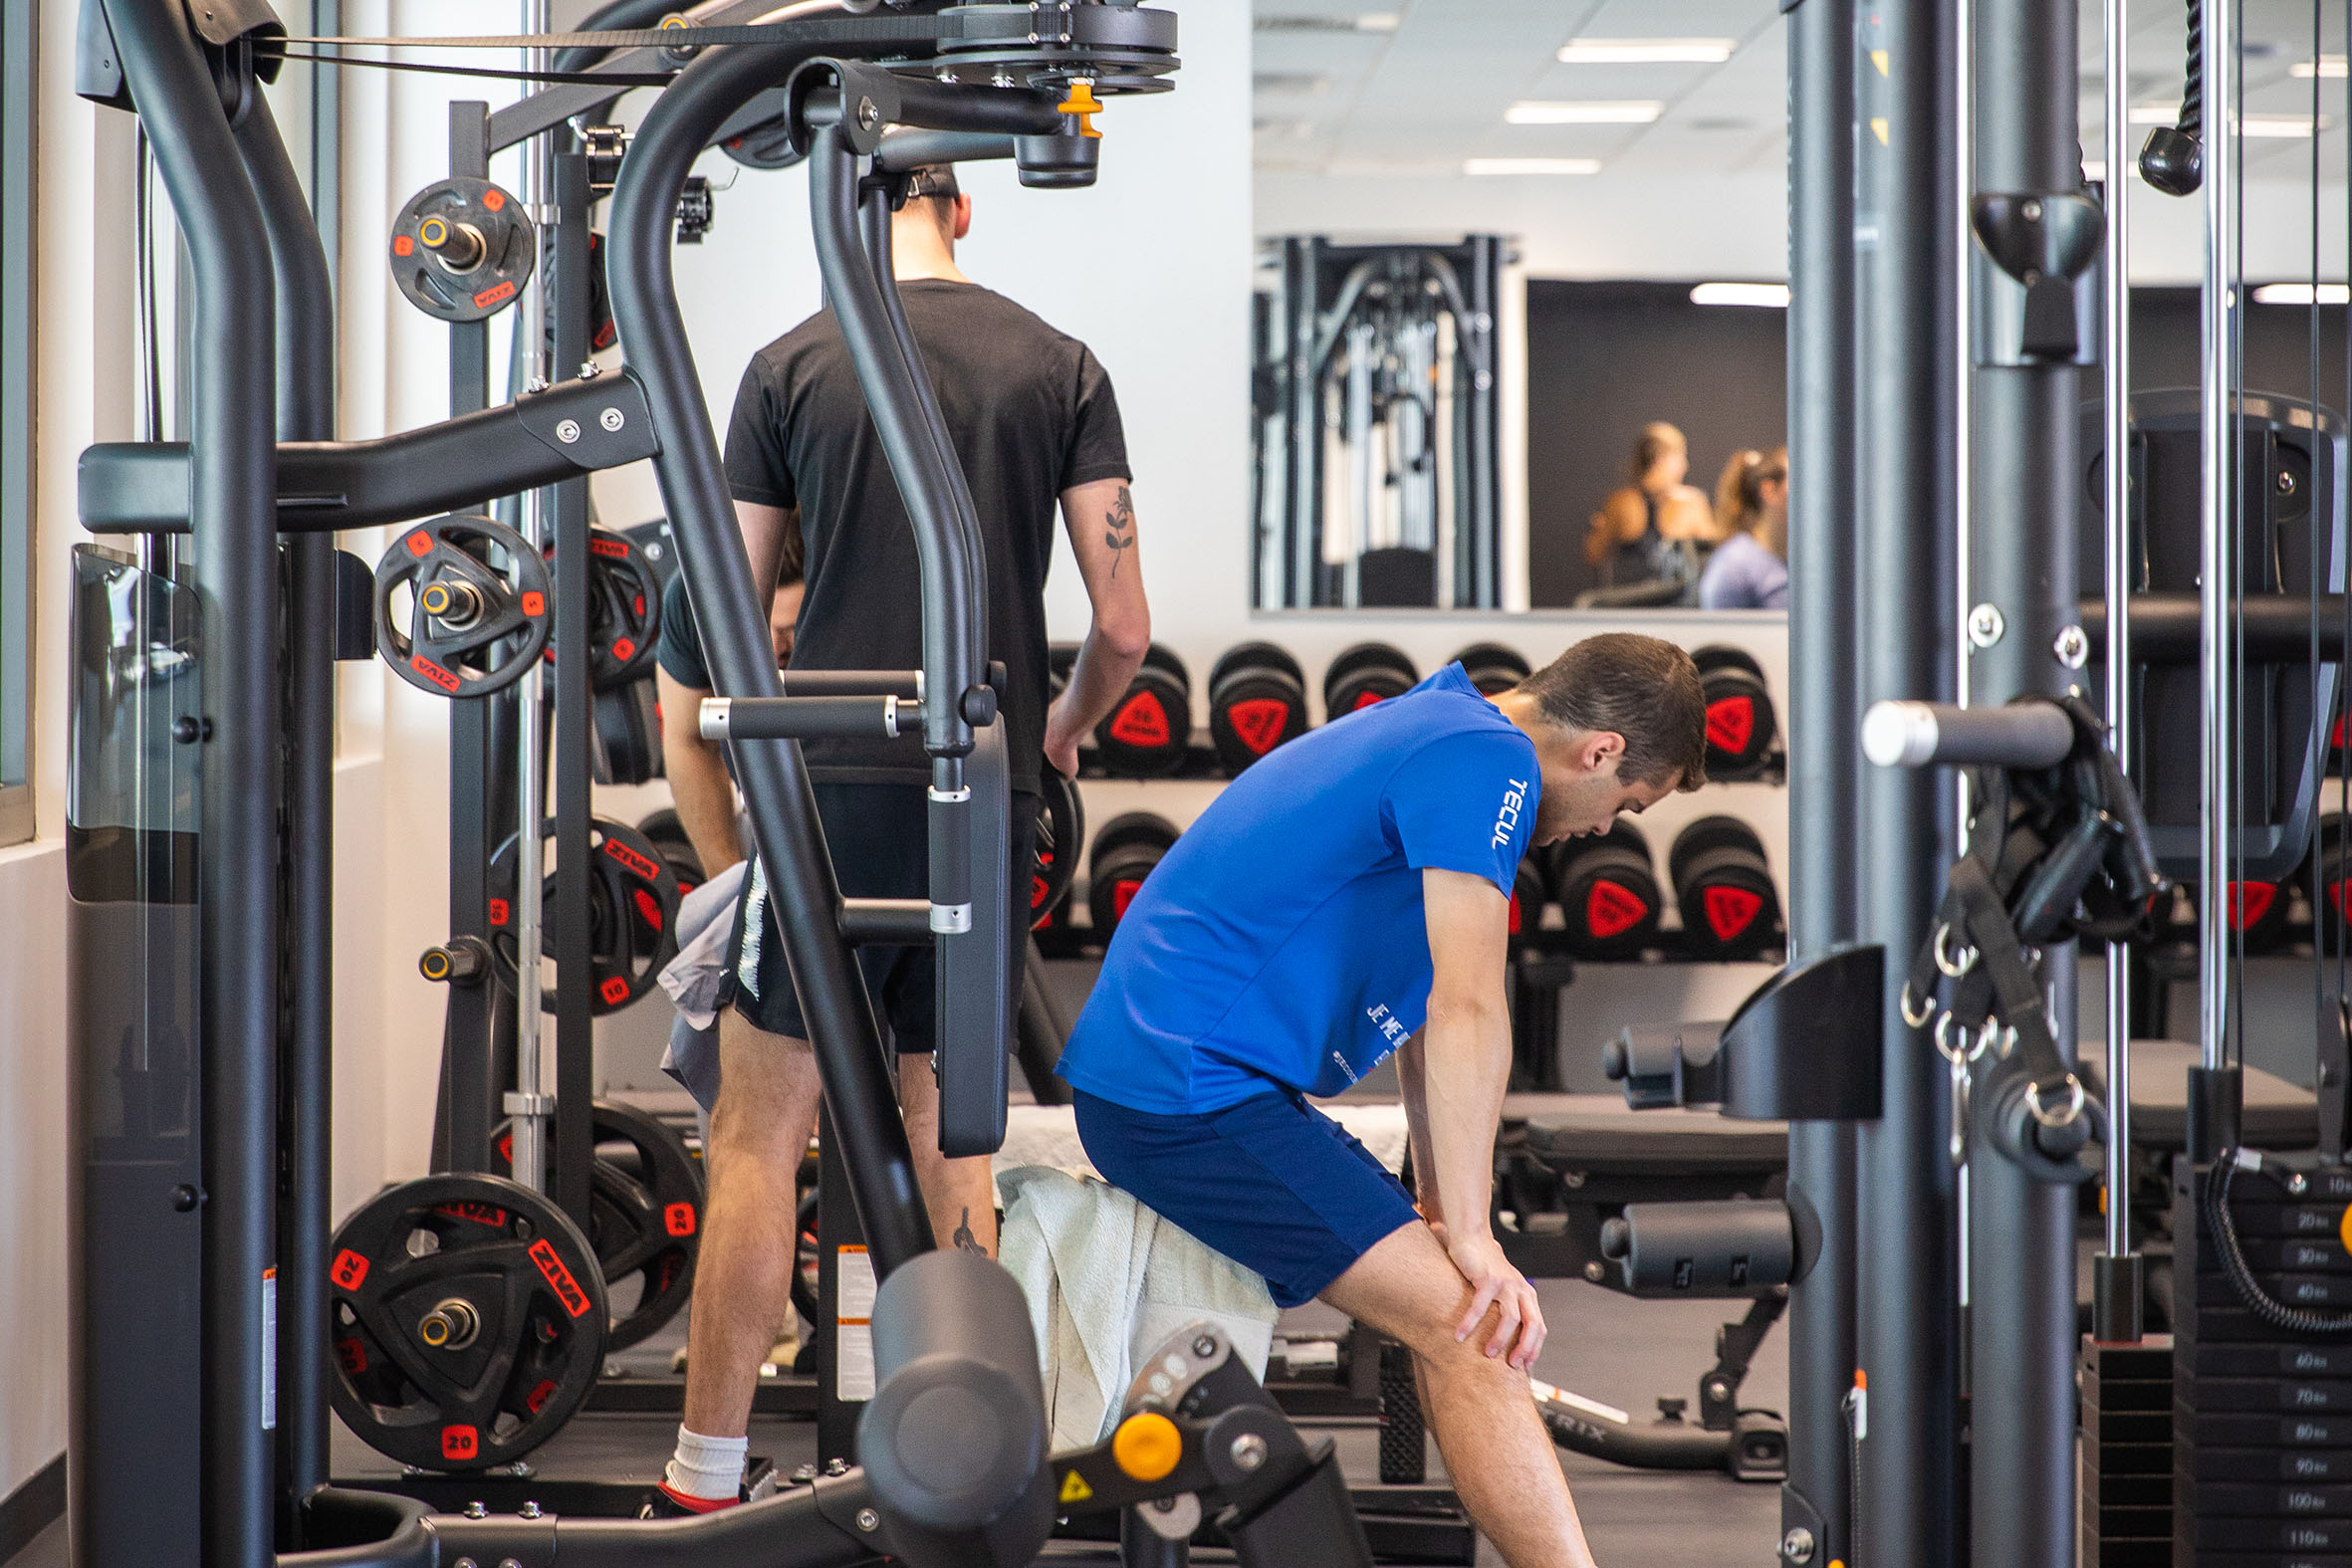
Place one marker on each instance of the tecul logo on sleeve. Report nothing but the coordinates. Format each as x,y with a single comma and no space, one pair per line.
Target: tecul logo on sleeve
1514,799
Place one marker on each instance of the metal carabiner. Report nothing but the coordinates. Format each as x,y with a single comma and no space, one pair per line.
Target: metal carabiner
2055,1120
1927,1009
1954,967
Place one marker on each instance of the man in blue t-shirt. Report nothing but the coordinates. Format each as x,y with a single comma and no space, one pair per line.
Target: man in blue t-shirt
1344,900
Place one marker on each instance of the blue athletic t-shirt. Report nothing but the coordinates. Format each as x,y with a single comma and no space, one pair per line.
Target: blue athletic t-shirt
1282,943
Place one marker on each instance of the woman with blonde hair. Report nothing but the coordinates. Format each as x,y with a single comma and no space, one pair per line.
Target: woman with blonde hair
1652,529
1749,568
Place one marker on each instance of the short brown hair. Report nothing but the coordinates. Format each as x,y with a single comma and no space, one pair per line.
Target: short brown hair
1641,688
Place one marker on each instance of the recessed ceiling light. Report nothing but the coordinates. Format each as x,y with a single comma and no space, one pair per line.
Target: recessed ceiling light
1369,22
1530,165
1376,22
2289,126
1772,295
1646,50
2301,293
1582,111
2329,67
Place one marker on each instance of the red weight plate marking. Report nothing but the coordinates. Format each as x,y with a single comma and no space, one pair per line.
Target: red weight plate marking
666,1273
1365,700
349,1270
1731,724
1731,910
1259,721
537,1399
460,1443
493,199
616,549
639,603
1142,721
489,1215
2250,902
558,1278
403,245
420,543
352,1355
2338,895
495,294
1037,892
630,858
649,908
1514,914
1122,893
614,989
1613,909
626,649
505,1147
534,603
498,910
678,1218
433,672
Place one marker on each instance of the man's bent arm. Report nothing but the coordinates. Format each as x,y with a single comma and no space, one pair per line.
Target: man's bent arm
1100,517
762,543
1412,1085
700,786
1466,1044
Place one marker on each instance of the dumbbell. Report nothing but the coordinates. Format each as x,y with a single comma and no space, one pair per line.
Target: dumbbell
1125,851
1492,667
1147,733
1257,701
1740,718
1367,673
1607,893
1528,895
1730,907
1061,826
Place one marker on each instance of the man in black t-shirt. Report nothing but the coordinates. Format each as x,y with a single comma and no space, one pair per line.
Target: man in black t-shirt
1034,423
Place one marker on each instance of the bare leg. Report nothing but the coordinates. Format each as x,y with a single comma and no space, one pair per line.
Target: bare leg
768,1092
1496,1451
959,1193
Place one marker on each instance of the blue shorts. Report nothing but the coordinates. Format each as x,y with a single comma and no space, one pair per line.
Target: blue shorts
1272,1183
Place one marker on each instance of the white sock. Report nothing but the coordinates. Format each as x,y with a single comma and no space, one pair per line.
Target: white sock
707,1466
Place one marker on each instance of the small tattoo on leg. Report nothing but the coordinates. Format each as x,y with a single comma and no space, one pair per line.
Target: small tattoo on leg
965,1241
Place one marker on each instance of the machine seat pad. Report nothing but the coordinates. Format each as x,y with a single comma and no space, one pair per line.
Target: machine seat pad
1600,1133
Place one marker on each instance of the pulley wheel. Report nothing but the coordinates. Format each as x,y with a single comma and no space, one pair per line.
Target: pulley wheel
468,1319
632,914
644,1218
467,629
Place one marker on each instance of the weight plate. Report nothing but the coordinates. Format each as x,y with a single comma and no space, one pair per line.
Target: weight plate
1365,674
625,610
1124,852
1061,828
462,249
645,1199
626,728
1492,667
468,629
468,1321
1150,730
632,914
1257,701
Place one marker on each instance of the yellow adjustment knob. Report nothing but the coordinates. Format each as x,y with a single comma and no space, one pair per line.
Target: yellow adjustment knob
1147,1446
1083,104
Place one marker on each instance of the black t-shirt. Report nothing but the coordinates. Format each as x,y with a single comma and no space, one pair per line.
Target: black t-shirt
1030,414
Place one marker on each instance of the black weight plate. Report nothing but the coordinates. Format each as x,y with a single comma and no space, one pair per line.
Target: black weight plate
469,631
468,1321
1257,701
1723,656
1527,898
1741,723
470,221
1730,907
1365,674
1147,733
646,1201
1054,860
627,735
1256,656
1159,656
625,610
1124,852
1492,667
1705,833
633,912
1608,895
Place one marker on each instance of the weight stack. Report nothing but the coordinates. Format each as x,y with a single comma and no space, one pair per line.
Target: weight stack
2127,1454
2261,1416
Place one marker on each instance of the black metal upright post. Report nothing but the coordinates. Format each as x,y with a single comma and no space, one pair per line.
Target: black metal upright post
1816,1502
306,412
2025,640
1907,1323
233,518
572,1156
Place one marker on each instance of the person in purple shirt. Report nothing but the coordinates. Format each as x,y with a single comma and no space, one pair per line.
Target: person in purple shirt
1749,568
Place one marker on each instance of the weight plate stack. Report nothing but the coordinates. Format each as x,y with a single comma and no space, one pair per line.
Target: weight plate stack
1367,673
1740,724
1257,701
1730,907
1608,895
1492,668
644,1218
468,630
1054,859
1125,851
468,1317
632,914
1148,734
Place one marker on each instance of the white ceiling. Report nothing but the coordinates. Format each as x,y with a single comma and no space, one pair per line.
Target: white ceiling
1419,98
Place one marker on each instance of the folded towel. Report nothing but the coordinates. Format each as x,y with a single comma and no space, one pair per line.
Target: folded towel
1107,1283
706,920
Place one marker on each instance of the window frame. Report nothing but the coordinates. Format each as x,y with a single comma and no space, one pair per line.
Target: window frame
19,167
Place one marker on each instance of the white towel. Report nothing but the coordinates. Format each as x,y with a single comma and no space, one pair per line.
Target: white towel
706,919
1108,1281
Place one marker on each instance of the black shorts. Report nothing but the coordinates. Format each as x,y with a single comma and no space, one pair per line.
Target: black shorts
880,835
